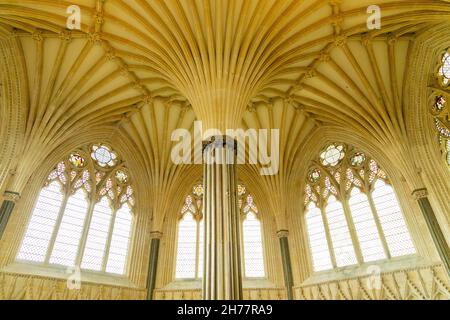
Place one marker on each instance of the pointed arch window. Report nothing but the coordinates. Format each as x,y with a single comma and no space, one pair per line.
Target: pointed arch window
440,95
190,239
352,213
251,238
83,215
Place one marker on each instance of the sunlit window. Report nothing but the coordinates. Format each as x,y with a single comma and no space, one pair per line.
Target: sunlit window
189,264
252,240
83,215
365,226
439,105
340,234
444,70
352,213
317,239
190,242
447,149
187,247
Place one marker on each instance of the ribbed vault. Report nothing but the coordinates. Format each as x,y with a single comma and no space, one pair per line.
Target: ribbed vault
138,65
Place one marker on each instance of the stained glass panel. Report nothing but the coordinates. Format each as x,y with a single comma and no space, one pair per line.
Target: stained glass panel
332,155
444,71
379,228
54,234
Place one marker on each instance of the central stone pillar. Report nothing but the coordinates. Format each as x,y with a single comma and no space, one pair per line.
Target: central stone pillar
222,275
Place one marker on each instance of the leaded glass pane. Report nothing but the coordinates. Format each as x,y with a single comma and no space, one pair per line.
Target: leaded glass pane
201,249
37,237
94,251
444,71
340,235
391,219
120,241
317,239
448,152
253,249
366,228
187,244
69,234
81,218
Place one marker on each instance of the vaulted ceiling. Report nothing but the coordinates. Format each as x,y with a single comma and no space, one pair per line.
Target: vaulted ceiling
146,67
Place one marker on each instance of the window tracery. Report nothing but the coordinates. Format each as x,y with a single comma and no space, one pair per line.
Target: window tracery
440,95
189,262
352,213
83,215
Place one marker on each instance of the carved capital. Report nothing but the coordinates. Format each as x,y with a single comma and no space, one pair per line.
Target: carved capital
420,193
216,142
156,235
11,196
282,234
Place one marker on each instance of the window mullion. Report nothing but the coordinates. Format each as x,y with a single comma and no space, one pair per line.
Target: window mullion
352,230
328,236
108,241
86,227
57,226
242,258
379,227
197,246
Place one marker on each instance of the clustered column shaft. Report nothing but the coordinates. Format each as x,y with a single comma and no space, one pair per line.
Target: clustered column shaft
222,275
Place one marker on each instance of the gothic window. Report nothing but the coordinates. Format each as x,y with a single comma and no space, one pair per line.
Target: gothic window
444,70
252,239
190,242
352,213
83,215
447,151
190,237
439,105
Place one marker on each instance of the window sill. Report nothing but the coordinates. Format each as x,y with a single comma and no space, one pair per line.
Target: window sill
364,269
62,273
190,284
